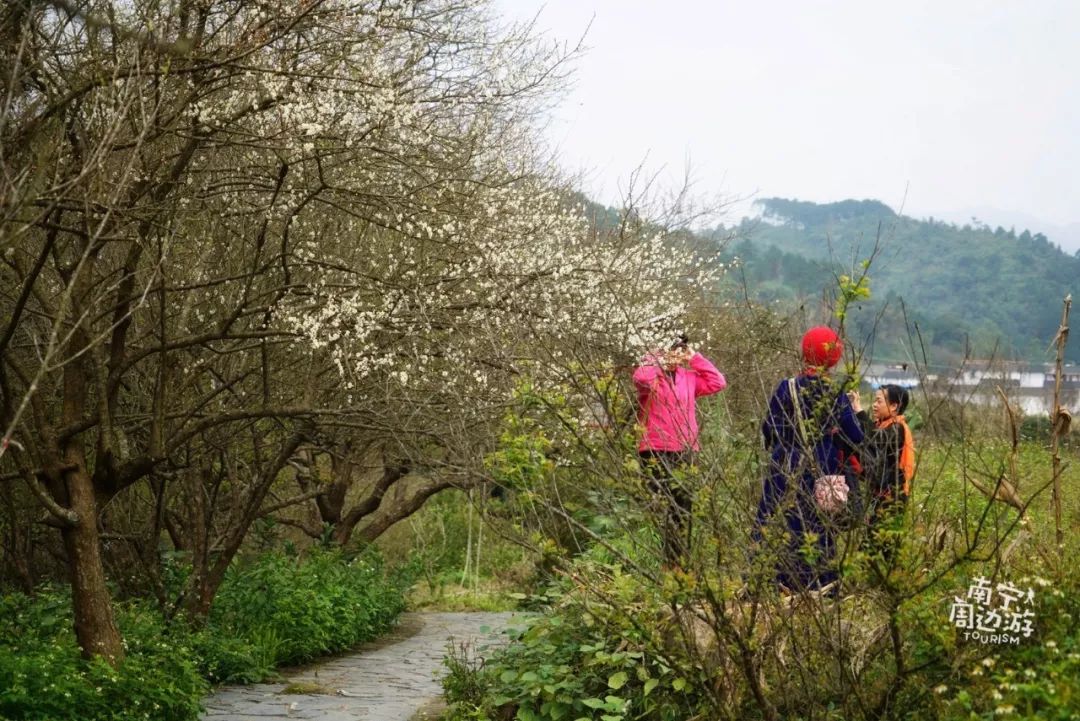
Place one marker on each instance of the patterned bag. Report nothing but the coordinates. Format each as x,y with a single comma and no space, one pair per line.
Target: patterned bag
830,493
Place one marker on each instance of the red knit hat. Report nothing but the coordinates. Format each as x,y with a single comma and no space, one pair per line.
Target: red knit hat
822,347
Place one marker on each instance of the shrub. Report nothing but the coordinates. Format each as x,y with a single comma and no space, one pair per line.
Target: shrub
292,609
582,659
43,676
228,659
277,610
465,681
1039,678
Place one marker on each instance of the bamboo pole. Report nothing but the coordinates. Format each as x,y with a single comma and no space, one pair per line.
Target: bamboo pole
479,541
1059,423
468,543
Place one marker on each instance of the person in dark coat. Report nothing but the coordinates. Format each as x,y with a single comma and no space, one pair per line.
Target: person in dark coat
798,457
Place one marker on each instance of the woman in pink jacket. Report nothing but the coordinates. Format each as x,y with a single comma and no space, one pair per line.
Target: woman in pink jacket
668,384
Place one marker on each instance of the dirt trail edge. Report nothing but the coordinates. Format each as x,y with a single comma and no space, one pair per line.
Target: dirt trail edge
388,680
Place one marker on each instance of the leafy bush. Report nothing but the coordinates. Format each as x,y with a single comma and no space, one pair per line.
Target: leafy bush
43,676
584,659
1039,678
277,610
292,610
465,681
228,659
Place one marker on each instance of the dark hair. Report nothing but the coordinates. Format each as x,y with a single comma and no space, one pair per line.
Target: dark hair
896,394
681,341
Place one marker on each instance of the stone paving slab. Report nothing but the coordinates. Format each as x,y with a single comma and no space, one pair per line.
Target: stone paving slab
389,680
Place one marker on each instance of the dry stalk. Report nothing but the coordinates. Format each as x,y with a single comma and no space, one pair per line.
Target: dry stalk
1059,423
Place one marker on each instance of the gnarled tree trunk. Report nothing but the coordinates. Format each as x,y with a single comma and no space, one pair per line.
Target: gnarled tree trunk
95,624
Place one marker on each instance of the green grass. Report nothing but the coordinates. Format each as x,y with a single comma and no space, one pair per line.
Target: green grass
488,596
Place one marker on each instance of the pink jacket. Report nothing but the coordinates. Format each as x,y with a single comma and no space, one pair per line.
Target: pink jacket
667,407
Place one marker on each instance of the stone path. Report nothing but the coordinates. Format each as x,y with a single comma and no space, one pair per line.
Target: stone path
389,680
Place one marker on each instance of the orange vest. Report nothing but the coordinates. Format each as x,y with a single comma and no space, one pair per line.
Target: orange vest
907,452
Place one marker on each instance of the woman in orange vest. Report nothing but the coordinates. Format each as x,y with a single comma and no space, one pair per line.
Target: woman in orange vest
888,461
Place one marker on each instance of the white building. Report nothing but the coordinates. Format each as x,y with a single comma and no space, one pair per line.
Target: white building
1029,386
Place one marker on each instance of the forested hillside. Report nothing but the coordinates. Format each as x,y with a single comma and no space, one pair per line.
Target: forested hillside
987,287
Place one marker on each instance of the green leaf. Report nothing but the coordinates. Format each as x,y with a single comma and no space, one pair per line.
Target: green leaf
614,703
679,684
593,702
508,676
650,685
524,713
617,680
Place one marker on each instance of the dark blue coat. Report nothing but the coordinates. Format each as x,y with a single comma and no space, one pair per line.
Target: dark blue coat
788,492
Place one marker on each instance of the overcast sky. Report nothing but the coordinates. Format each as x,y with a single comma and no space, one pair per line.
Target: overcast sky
951,108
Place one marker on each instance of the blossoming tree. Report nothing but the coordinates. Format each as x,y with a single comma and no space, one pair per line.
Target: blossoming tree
238,230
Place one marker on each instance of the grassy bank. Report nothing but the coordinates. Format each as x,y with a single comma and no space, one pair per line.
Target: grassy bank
272,610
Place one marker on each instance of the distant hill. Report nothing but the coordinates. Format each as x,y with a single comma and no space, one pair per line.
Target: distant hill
1066,236
968,284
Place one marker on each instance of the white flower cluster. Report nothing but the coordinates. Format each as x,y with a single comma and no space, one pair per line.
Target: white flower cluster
386,151
517,278
395,75
366,175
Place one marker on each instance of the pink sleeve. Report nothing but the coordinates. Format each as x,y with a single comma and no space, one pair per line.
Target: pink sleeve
647,372
709,380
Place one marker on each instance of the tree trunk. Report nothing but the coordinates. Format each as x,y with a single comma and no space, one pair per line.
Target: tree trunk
202,596
196,533
209,573
403,506
343,528
95,625
17,542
